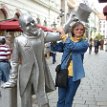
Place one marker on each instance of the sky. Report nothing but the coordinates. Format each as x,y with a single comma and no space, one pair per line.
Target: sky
95,4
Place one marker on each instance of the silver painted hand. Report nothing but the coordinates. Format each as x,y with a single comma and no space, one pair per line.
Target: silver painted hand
9,84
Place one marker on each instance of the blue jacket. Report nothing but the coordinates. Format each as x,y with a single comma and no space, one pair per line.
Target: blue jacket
77,50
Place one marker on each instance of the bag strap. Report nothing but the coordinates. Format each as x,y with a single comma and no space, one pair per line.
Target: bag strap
65,58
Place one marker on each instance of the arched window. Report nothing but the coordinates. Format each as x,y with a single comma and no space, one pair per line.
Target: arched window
3,14
4,11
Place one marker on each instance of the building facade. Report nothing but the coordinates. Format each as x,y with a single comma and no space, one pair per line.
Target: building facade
103,28
44,11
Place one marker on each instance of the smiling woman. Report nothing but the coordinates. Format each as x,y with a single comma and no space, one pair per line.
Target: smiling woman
78,29
73,49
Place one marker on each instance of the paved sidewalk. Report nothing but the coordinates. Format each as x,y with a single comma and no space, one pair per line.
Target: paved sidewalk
93,89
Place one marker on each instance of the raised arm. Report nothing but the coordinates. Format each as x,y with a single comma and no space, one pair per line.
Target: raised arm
81,46
55,36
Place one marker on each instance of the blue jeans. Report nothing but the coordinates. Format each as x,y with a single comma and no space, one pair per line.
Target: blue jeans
66,95
4,71
53,58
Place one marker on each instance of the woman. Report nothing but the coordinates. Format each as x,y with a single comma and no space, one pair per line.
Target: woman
76,46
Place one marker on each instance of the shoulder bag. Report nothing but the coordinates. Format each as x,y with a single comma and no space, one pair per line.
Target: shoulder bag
61,79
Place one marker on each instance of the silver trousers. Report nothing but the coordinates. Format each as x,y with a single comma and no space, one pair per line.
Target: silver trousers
26,98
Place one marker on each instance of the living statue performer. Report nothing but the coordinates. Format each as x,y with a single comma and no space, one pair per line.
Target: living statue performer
29,47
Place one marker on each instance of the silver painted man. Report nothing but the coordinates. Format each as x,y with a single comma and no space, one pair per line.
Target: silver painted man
29,47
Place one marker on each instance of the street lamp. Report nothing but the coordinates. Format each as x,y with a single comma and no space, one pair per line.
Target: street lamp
61,13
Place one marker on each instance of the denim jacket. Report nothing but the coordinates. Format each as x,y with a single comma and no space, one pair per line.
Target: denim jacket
75,51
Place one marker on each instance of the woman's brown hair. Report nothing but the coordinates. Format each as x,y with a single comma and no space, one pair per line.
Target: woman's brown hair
75,25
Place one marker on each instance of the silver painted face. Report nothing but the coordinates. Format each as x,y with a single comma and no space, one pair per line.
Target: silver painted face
28,25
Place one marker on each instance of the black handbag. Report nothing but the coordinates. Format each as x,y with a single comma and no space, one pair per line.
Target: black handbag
61,79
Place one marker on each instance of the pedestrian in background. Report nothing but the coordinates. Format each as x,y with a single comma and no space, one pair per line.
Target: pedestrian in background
101,44
90,45
53,53
105,45
77,46
47,50
96,46
5,53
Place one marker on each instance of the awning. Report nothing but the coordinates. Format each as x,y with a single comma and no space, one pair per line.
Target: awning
105,11
13,25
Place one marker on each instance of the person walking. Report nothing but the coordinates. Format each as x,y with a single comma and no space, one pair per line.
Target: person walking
101,44
105,45
90,45
53,53
5,53
96,46
47,50
76,46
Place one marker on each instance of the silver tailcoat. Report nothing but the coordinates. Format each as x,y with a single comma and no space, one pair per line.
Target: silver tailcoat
30,49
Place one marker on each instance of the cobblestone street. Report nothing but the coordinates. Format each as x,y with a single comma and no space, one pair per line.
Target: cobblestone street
93,89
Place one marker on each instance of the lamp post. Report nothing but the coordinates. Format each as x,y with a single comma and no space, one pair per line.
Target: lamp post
61,16
54,24
61,13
